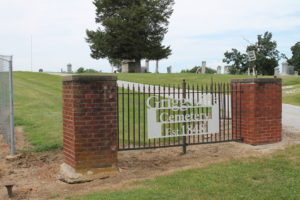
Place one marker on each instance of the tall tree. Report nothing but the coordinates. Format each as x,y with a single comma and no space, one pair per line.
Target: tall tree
295,59
130,29
267,55
237,62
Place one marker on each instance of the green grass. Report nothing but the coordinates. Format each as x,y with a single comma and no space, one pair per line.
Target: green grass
176,79
275,177
291,95
293,99
38,107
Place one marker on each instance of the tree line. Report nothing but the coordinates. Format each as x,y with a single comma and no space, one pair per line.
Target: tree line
267,57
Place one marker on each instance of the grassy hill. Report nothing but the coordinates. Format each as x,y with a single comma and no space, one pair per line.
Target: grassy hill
38,107
175,79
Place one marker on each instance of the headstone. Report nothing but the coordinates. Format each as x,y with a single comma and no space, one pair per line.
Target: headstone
219,70
41,70
169,69
296,73
287,69
276,71
203,67
291,70
147,65
226,70
69,68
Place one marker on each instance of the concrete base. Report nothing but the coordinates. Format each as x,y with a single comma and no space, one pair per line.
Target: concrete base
13,157
69,174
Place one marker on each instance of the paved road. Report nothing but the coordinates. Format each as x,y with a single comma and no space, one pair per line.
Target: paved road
291,116
290,113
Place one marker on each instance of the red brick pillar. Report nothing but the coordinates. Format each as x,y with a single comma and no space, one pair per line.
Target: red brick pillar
90,122
257,110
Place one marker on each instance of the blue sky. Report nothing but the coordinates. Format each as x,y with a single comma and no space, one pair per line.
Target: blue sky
199,30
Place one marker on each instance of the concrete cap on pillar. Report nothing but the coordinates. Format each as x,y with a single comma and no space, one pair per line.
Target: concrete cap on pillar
89,78
257,80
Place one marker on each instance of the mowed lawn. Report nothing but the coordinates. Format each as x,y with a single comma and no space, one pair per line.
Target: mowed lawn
38,100
273,177
38,108
176,78
291,95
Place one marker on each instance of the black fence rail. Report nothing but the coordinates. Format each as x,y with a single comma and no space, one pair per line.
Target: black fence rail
182,112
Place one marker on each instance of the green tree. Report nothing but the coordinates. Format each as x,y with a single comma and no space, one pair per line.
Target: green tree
236,61
267,55
130,29
295,59
80,70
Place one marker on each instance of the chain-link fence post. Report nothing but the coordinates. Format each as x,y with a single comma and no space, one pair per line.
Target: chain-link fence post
11,108
6,101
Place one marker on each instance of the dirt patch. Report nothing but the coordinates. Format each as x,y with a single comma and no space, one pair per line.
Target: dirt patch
36,174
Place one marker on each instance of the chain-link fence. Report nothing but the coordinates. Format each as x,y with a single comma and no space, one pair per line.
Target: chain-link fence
6,101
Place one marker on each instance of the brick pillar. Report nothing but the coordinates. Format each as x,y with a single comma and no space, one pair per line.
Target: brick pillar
257,110
90,122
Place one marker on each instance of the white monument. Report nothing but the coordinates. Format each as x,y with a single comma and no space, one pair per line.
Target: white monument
147,65
203,67
69,68
128,66
219,69
169,69
276,71
156,66
287,69
226,70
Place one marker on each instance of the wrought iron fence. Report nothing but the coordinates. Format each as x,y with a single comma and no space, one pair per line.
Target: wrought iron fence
186,114
6,101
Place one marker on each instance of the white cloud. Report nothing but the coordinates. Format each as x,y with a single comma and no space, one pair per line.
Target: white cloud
193,17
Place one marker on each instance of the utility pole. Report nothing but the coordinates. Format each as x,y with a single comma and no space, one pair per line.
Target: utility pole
31,53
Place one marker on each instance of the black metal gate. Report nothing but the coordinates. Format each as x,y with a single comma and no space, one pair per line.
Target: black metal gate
134,101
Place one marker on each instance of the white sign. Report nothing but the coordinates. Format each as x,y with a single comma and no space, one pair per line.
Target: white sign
251,55
182,117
